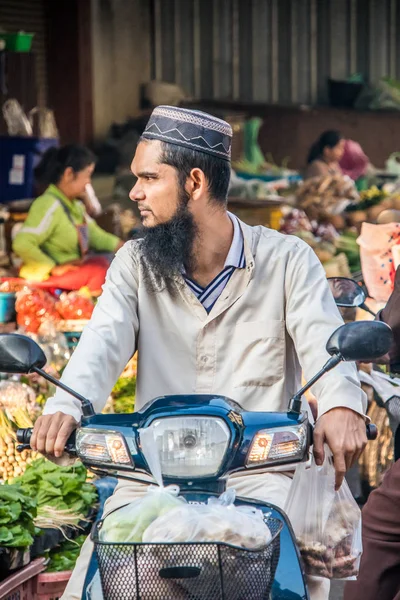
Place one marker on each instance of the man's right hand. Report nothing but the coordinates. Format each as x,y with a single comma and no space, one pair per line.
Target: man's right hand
51,433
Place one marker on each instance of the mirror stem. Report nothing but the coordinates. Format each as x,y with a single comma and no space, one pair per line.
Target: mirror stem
295,401
368,310
87,406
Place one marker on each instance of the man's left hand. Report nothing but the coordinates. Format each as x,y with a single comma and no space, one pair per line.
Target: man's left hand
345,433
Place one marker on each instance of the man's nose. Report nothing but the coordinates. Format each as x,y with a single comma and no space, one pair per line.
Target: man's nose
136,194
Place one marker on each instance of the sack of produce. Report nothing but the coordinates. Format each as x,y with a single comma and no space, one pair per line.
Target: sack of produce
33,307
74,306
327,524
128,524
218,521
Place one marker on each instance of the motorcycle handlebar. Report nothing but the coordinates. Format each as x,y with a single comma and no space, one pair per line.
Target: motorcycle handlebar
24,436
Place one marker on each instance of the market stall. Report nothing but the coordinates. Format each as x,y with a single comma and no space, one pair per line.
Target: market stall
46,511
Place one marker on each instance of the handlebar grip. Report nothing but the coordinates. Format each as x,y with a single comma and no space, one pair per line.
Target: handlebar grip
24,436
372,431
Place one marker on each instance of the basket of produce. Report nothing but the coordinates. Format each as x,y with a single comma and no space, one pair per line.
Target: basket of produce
160,546
178,571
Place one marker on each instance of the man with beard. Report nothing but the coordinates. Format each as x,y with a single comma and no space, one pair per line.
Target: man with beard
212,306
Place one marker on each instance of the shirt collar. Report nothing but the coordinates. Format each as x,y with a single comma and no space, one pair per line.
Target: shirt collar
236,254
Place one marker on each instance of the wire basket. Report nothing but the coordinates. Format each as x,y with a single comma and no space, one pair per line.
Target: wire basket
187,571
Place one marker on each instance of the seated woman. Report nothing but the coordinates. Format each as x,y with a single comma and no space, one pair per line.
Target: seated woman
325,155
58,234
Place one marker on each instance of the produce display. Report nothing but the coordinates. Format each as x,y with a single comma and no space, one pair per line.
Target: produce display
13,285
17,514
347,244
60,488
13,463
122,398
64,557
34,307
123,395
74,306
18,401
321,197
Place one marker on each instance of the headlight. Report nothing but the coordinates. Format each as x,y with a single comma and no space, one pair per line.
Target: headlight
283,445
108,448
191,446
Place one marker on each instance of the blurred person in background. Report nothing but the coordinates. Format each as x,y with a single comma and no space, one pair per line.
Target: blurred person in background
324,155
58,235
379,576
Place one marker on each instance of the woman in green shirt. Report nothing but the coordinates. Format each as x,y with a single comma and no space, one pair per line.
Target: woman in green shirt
58,234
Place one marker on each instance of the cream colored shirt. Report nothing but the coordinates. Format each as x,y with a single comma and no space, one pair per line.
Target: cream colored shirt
272,317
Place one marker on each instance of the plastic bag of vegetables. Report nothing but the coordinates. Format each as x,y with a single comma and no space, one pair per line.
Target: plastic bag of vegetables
127,524
218,521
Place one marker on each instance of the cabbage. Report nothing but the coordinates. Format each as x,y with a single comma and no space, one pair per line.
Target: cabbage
127,524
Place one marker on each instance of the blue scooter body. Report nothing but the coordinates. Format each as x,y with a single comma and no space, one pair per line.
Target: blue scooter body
289,583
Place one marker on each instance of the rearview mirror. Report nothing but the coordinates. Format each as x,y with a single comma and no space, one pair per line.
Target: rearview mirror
19,354
362,340
346,292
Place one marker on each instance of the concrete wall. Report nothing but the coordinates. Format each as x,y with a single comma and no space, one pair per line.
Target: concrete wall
121,59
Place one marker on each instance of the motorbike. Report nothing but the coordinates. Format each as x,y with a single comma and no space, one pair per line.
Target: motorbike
349,294
201,441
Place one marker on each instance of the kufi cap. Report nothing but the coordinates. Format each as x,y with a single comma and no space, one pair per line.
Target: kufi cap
190,128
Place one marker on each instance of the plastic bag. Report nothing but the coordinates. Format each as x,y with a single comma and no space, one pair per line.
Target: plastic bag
128,524
74,306
327,524
218,521
376,243
33,307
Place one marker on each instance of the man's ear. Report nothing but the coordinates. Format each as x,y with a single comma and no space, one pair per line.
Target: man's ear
196,183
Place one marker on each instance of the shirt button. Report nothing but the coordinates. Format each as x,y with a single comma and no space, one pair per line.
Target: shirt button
204,359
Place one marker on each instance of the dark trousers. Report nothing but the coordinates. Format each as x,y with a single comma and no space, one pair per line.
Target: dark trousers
379,577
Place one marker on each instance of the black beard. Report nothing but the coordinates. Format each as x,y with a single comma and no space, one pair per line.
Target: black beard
167,248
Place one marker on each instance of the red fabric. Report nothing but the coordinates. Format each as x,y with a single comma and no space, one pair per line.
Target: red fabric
91,274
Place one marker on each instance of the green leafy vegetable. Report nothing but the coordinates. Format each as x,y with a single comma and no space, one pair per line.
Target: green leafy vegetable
17,513
63,558
63,488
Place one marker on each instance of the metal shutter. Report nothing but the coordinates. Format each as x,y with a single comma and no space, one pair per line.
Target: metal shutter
29,16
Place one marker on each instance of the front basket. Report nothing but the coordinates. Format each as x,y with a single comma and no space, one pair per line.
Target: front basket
187,571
